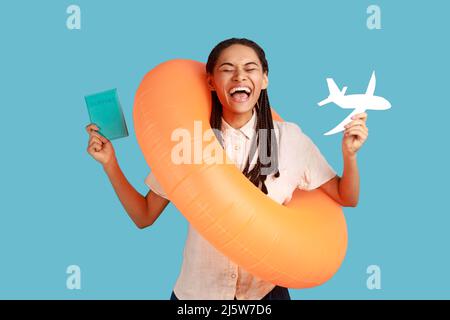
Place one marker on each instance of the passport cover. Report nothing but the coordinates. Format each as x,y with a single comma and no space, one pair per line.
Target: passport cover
105,111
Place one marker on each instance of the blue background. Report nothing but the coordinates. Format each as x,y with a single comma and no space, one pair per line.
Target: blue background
58,207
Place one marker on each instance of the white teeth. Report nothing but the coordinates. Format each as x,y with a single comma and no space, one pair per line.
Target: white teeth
247,89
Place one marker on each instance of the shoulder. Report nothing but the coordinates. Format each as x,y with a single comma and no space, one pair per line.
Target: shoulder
293,139
288,127
289,132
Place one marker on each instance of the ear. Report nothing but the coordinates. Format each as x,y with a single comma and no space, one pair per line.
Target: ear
265,81
209,81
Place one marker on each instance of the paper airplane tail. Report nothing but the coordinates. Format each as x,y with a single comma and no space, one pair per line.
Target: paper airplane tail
325,101
333,92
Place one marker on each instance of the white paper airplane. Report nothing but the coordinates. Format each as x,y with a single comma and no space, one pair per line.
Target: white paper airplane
359,102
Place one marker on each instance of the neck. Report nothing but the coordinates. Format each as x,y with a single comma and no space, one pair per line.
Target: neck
237,120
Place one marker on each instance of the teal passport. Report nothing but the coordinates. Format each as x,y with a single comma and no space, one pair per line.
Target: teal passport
105,111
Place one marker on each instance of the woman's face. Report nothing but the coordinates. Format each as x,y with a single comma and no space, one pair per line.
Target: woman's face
238,67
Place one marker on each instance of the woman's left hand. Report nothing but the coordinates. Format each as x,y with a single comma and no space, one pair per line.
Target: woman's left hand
355,134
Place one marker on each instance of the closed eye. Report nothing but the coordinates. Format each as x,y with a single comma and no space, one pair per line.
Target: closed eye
229,70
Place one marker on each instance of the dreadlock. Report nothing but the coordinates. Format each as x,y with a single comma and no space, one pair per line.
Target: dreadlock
264,122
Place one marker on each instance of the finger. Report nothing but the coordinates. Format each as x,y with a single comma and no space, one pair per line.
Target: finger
91,128
359,120
362,115
99,136
96,147
357,132
354,123
93,139
356,128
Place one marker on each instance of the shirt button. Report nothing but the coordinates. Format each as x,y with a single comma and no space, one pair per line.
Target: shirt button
236,147
233,275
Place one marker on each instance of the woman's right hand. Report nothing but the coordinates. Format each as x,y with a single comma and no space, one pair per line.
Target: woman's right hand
100,148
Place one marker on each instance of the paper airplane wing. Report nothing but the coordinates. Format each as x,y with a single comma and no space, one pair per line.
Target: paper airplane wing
340,126
372,83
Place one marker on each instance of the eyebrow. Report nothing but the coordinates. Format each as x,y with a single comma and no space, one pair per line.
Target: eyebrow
230,64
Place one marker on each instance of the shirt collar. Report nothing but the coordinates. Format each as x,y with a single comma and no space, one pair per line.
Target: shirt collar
248,129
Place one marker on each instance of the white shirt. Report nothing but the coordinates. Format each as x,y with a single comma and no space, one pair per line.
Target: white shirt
208,274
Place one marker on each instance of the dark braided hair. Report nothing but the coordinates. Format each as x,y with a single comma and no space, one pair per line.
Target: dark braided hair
266,163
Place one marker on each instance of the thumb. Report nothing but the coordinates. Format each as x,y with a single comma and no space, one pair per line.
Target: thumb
102,138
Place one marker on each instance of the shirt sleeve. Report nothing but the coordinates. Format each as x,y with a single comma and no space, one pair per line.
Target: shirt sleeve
316,169
154,185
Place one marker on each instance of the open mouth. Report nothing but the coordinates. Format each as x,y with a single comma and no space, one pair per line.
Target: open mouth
240,94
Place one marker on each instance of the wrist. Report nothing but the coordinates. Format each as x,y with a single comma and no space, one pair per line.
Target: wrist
349,156
110,165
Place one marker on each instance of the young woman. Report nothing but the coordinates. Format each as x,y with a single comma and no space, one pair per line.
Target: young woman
237,75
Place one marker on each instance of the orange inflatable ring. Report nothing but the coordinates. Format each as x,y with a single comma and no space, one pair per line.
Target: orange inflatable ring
299,245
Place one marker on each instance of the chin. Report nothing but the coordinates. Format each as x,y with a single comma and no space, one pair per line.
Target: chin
241,107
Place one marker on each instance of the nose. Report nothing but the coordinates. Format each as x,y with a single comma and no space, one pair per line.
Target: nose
239,75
